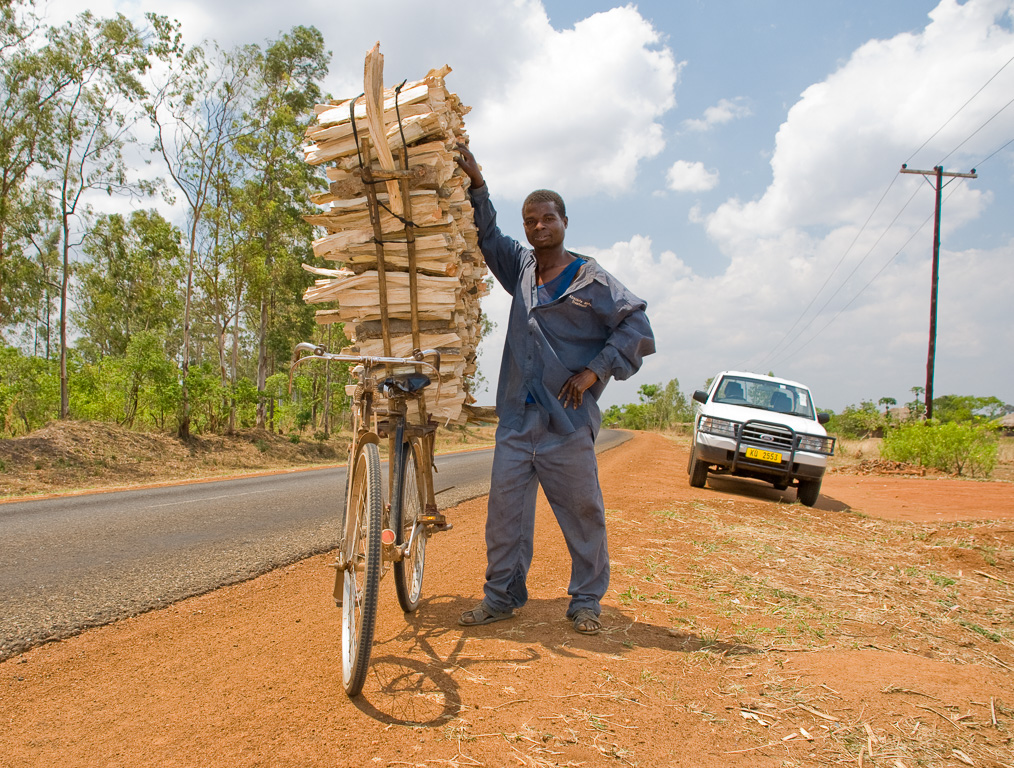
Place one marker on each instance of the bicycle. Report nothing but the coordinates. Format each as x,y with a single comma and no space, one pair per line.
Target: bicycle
375,536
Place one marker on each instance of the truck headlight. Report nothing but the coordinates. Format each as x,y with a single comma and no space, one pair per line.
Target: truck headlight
814,444
722,427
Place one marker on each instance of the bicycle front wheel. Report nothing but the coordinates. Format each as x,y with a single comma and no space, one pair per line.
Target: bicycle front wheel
408,572
361,588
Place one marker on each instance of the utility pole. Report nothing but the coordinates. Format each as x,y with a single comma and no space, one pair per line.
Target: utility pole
939,173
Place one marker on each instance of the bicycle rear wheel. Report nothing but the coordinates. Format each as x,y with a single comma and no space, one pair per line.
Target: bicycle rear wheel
361,586
408,572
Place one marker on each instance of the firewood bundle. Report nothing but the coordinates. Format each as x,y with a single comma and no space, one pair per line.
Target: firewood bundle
397,145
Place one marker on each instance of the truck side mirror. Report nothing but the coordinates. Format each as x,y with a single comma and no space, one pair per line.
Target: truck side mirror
823,418
701,396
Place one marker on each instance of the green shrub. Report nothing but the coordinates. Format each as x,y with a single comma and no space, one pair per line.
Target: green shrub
29,392
857,421
951,447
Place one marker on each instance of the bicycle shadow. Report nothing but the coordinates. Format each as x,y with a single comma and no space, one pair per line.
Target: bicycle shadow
415,685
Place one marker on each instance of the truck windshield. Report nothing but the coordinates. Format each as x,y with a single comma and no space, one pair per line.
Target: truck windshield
766,395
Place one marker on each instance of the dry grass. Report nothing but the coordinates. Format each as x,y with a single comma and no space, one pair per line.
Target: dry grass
851,452
756,580
81,455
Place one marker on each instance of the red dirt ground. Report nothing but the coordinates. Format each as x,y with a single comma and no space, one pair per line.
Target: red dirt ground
741,630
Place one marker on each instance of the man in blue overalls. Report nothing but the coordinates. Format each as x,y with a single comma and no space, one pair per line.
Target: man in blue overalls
572,327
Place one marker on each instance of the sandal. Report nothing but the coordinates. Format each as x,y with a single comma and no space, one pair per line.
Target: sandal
483,614
587,622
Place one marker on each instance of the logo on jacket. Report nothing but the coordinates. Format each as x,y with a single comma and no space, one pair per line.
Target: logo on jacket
580,302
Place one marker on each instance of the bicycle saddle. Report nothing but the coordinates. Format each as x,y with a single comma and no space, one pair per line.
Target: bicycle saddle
405,385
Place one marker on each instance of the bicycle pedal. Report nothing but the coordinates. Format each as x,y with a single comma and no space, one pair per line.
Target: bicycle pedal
435,525
433,520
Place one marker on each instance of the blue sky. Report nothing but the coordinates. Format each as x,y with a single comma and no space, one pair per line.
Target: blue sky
735,163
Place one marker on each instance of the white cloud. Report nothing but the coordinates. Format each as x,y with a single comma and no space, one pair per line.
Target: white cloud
576,110
581,110
724,112
846,136
684,176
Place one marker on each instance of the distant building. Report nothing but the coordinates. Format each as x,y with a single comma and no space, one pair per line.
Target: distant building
901,413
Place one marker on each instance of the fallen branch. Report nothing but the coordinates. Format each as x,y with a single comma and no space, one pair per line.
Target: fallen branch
994,578
818,713
893,689
751,749
508,703
940,714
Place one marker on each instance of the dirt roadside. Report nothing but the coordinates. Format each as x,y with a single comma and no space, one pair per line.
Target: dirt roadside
741,630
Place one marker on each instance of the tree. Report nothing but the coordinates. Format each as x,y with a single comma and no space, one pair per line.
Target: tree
275,194
197,117
664,405
916,409
966,408
128,283
223,281
102,60
151,377
661,407
886,403
28,89
45,241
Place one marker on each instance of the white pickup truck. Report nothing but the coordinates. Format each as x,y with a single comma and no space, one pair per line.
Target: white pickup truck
749,425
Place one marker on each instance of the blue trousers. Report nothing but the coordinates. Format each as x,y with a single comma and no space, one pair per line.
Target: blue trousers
567,469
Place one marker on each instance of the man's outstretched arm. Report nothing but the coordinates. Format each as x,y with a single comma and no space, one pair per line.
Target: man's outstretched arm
504,255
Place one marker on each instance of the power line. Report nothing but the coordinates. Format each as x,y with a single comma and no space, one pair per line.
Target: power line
823,306
948,120
831,273
995,114
993,154
861,290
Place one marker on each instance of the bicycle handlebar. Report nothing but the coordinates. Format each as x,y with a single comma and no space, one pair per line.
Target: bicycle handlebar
318,352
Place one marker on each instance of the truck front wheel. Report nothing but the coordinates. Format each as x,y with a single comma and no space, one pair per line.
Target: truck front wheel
808,492
698,472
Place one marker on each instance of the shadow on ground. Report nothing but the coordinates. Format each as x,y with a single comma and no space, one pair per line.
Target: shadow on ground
412,683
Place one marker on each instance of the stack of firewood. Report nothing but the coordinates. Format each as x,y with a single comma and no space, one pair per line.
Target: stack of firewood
423,120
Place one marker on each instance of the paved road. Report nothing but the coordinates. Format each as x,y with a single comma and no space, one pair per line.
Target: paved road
79,561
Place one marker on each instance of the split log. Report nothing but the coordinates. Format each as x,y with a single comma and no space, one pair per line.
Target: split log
374,95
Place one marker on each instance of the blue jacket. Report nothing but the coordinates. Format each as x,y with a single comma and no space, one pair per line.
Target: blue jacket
596,324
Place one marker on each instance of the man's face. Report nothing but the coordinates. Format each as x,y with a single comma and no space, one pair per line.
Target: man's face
544,226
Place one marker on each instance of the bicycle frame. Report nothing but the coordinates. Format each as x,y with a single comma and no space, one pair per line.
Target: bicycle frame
398,429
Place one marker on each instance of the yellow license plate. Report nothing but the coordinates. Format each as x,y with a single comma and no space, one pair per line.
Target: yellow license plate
771,456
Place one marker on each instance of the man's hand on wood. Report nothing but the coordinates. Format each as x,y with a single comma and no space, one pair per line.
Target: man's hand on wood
469,165
574,388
